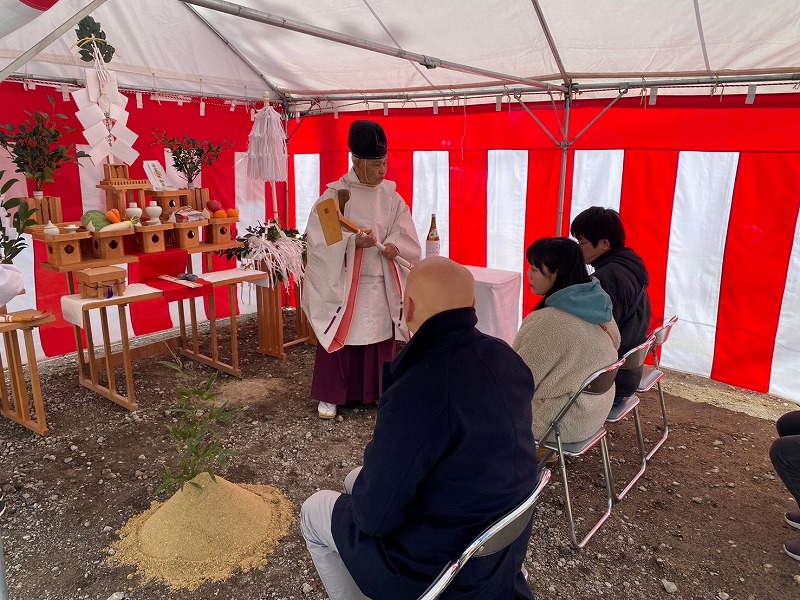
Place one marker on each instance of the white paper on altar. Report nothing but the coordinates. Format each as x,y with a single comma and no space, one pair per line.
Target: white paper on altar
155,173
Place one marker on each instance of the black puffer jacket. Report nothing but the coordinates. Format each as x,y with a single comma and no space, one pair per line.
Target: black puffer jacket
623,275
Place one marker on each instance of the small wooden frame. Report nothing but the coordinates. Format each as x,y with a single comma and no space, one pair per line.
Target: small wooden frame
109,244
198,198
269,303
187,234
152,238
219,231
101,282
15,404
169,200
121,190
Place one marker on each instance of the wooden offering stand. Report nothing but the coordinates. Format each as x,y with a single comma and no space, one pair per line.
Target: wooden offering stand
152,238
187,234
109,244
15,403
269,306
219,231
122,191
101,282
49,209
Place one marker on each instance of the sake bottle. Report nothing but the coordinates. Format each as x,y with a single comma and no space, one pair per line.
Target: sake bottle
432,241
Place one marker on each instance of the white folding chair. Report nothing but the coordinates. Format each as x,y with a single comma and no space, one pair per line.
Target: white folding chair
597,383
634,359
493,539
651,375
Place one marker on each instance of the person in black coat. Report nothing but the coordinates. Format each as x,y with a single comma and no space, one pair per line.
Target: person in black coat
452,451
624,278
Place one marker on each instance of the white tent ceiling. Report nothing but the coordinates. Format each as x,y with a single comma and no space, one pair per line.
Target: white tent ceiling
303,50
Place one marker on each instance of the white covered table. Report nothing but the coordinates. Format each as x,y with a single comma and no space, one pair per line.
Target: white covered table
497,301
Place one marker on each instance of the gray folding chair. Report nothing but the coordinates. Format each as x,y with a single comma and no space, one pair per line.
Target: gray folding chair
634,359
493,539
651,375
597,383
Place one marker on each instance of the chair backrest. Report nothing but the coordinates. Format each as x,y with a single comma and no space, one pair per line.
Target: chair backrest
661,334
634,358
597,383
494,538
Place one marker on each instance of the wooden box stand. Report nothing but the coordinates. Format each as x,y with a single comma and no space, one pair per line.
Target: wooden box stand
187,234
269,303
102,282
220,231
152,238
49,209
64,249
15,403
109,244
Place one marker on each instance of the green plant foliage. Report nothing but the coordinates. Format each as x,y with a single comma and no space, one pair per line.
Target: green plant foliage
21,218
196,435
189,155
89,31
34,146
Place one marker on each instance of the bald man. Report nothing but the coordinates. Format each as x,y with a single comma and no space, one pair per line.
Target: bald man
452,451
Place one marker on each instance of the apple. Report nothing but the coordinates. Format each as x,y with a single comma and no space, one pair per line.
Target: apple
213,206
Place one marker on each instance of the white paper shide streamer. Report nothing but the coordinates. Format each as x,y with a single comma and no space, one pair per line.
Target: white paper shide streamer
101,111
282,258
267,156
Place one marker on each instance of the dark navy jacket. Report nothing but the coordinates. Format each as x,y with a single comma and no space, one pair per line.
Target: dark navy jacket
452,451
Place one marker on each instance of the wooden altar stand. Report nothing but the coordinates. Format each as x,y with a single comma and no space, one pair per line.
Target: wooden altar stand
269,304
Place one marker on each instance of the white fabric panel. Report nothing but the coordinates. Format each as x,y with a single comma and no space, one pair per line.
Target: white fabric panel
784,380
174,178
506,191
432,195
506,186
15,15
250,197
700,214
90,176
596,180
306,187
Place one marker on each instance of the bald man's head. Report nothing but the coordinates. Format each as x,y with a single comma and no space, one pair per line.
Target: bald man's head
435,285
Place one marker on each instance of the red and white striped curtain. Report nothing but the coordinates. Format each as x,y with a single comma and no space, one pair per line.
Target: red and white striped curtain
709,192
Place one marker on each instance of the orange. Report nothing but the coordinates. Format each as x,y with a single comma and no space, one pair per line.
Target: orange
219,214
232,212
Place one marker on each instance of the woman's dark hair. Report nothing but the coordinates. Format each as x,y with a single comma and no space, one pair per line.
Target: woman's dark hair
561,256
598,223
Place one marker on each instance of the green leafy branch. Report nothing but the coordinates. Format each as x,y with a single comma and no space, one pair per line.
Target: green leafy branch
196,435
89,33
190,155
21,219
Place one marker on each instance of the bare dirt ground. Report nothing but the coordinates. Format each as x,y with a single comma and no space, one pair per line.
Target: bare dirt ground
707,517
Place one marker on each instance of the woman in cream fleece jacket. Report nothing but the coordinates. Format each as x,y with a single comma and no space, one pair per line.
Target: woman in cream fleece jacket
569,335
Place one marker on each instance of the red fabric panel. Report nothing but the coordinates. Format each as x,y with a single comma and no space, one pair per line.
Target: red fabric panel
468,175
57,337
150,316
648,190
541,208
401,171
757,253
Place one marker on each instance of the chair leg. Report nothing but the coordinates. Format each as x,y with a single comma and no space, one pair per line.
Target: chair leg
642,454
665,422
609,495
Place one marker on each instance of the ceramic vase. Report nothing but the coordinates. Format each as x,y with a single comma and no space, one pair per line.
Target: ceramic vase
153,213
133,210
51,229
38,194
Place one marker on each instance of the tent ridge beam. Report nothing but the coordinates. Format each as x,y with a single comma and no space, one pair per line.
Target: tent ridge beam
428,61
282,97
790,76
551,42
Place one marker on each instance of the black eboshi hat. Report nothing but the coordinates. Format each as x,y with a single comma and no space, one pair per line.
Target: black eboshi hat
367,139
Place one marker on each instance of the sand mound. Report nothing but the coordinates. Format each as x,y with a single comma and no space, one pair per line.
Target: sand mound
204,534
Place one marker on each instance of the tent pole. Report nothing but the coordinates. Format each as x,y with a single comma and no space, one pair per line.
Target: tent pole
429,62
565,144
49,39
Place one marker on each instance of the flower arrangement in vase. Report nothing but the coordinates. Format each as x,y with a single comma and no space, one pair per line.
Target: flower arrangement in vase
190,156
35,146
